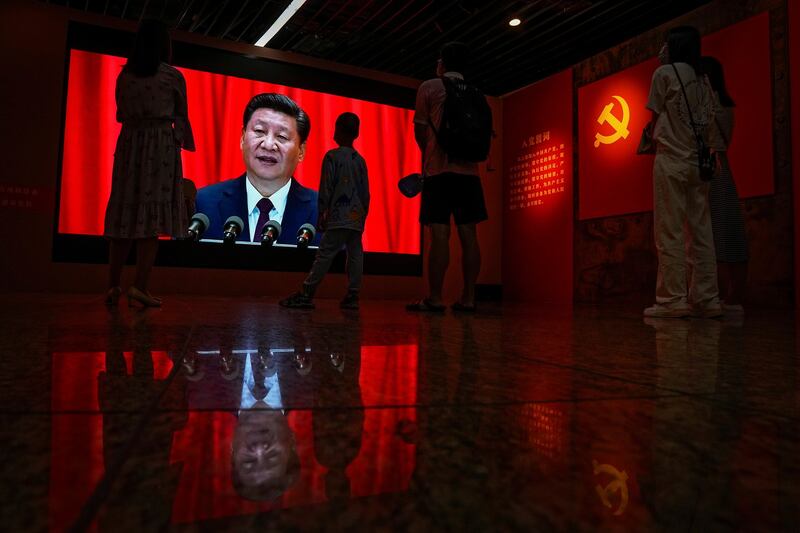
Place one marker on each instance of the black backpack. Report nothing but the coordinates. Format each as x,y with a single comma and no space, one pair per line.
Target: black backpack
465,132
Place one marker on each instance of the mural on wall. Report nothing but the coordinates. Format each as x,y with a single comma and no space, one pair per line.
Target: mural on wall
614,251
611,116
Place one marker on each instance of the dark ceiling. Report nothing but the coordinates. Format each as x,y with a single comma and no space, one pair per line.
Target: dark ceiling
403,36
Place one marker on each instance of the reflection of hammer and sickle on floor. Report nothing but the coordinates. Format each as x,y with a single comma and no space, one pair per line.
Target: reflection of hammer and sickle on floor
619,484
620,125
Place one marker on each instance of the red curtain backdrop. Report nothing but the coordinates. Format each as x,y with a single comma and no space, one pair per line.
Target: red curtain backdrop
216,104
538,213
615,181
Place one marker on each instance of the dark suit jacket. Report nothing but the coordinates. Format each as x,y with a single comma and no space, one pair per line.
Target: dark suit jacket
229,198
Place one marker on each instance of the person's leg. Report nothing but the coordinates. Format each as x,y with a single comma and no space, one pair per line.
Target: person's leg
355,261
669,216
117,255
146,250
703,286
468,210
330,244
470,261
438,260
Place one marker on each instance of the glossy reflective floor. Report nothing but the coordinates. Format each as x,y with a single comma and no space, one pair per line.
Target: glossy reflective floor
236,414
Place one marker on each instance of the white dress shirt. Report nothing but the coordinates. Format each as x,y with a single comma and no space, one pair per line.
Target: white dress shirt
273,398
278,200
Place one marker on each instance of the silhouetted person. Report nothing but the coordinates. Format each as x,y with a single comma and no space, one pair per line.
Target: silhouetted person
730,240
136,457
343,207
146,188
451,188
338,418
681,96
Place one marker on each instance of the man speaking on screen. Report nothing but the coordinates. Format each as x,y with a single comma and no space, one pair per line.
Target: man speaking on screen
274,133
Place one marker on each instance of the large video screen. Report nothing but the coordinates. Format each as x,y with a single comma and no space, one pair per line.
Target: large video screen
216,103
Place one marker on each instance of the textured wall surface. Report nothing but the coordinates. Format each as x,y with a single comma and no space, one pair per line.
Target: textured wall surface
615,257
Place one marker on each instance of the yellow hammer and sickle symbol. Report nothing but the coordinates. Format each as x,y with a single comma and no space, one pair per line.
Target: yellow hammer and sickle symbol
620,125
618,484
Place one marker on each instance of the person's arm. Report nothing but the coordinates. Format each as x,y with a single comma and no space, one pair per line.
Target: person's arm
326,188
364,188
183,130
422,117
657,97
421,136
120,116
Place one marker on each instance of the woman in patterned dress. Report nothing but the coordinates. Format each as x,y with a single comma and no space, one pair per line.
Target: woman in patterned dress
146,190
730,240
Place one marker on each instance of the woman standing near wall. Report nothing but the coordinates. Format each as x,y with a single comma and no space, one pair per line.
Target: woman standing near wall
682,103
146,184
730,241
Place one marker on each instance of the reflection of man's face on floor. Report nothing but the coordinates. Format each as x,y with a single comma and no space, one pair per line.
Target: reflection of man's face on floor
265,462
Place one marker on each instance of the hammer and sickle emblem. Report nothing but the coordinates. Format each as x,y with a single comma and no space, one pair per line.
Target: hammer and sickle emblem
620,125
619,484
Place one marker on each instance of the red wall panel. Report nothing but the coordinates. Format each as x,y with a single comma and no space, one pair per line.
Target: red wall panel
537,177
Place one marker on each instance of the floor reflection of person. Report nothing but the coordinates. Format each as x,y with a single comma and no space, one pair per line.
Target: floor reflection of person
449,384
136,458
338,419
693,440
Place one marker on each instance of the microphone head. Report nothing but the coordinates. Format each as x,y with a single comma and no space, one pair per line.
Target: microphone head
307,228
271,232
202,218
305,235
235,221
197,226
274,224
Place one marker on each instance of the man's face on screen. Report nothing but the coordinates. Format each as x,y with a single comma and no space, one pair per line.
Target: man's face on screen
271,146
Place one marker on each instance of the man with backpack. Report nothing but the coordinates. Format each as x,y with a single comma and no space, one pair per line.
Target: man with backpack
453,128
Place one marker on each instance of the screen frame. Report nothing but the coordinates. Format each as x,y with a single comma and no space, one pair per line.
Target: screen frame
93,249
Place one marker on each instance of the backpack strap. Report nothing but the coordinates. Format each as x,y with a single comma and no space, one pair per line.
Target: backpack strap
448,87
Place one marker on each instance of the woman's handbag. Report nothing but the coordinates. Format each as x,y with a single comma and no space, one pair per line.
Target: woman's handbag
646,143
706,160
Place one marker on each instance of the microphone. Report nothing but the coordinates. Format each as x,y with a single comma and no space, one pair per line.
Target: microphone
197,226
305,235
270,233
232,229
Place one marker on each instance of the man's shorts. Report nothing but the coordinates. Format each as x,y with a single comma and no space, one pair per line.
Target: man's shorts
446,194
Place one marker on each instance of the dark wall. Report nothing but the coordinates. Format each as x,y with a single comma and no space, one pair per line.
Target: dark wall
615,258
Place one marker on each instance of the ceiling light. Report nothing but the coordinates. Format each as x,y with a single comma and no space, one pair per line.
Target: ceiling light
514,22
284,17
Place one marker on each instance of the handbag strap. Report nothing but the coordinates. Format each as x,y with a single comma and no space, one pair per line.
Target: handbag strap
697,137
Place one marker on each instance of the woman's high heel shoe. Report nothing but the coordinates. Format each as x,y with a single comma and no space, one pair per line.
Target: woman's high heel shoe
112,296
135,295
